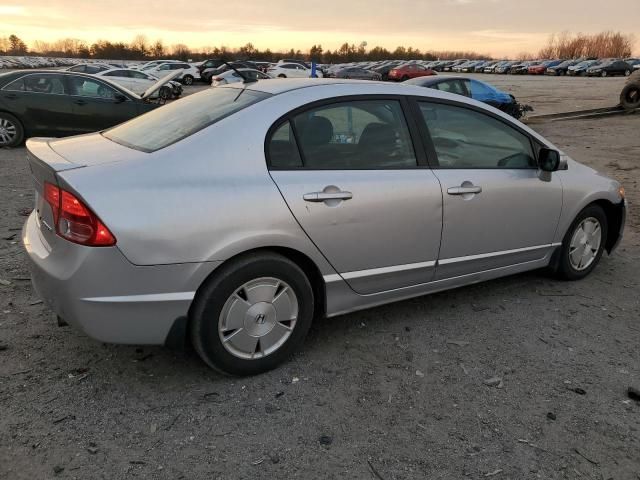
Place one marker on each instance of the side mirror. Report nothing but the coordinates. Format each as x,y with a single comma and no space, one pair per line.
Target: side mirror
119,98
548,160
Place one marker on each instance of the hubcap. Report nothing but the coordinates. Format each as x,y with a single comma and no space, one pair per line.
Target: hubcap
258,318
8,131
585,243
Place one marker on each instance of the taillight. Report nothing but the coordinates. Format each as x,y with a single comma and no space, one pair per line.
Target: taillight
74,221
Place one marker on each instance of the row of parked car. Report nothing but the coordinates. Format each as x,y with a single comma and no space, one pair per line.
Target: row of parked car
398,70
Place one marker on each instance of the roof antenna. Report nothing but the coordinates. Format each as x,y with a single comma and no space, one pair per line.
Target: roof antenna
244,78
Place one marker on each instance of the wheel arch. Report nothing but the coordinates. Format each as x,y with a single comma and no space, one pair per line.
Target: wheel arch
302,260
615,219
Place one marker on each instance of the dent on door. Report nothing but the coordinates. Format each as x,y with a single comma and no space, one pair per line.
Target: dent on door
379,229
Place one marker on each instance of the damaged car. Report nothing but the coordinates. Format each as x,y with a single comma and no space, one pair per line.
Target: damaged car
60,103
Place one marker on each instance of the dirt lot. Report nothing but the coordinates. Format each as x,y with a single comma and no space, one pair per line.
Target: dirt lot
380,394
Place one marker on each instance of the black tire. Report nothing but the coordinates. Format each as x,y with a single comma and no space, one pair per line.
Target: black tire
630,96
627,73
404,78
187,80
12,129
603,74
282,75
566,270
212,296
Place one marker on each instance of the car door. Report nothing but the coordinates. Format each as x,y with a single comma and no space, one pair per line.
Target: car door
97,105
499,209
41,102
364,195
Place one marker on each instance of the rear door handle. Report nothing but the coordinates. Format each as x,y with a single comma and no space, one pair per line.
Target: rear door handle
80,102
11,96
463,190
324,196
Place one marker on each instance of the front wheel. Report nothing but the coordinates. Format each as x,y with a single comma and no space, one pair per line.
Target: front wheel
603,74
187,80
11,130
583,244
252,314
282,75
627,73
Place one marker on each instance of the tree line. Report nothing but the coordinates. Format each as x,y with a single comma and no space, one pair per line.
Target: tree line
564,45
141,49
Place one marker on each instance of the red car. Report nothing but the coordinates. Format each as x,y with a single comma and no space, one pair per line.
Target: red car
405,72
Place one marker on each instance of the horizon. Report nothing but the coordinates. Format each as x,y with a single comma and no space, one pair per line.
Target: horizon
496,28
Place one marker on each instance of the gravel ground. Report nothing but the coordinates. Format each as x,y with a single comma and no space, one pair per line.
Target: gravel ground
396,392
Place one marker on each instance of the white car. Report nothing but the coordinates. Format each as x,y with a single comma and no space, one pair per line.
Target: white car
188,75
230,76
134,80
153,64
291,70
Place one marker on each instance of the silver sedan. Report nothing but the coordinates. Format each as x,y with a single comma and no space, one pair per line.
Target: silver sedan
234,217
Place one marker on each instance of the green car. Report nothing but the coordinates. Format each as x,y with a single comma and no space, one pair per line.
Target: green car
59,103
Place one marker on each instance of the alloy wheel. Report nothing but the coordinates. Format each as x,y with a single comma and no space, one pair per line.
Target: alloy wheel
8,131
258,318
585,243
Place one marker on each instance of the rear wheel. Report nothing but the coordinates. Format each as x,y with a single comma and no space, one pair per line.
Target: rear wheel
404,78
627,73
252,314
11,130
603,74
282,75
583,244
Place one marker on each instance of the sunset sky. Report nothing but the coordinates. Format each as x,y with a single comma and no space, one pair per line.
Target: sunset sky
496,27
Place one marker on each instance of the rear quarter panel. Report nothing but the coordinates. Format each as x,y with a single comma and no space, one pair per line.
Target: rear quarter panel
204,199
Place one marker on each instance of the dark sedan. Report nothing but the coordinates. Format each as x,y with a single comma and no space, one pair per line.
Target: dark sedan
59,103
609,68
357,73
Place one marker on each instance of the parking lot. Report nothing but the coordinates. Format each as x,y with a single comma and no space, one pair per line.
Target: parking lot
524,377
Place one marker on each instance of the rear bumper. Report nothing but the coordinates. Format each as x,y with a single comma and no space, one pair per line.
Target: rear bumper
98,291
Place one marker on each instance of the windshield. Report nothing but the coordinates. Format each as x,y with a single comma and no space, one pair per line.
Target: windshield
171,123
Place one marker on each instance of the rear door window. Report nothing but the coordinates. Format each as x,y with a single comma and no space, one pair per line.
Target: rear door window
351,135
171,123
39,83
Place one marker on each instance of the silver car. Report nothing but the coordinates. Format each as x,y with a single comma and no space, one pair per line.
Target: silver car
234,217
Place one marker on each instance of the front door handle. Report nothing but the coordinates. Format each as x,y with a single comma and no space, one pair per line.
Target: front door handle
463,190
324,196
11,96
80,102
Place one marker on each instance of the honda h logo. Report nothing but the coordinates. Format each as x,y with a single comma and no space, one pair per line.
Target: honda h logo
260,319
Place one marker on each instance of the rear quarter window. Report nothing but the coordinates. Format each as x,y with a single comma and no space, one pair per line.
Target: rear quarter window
178,120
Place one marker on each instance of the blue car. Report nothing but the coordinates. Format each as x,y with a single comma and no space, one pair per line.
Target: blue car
469,87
